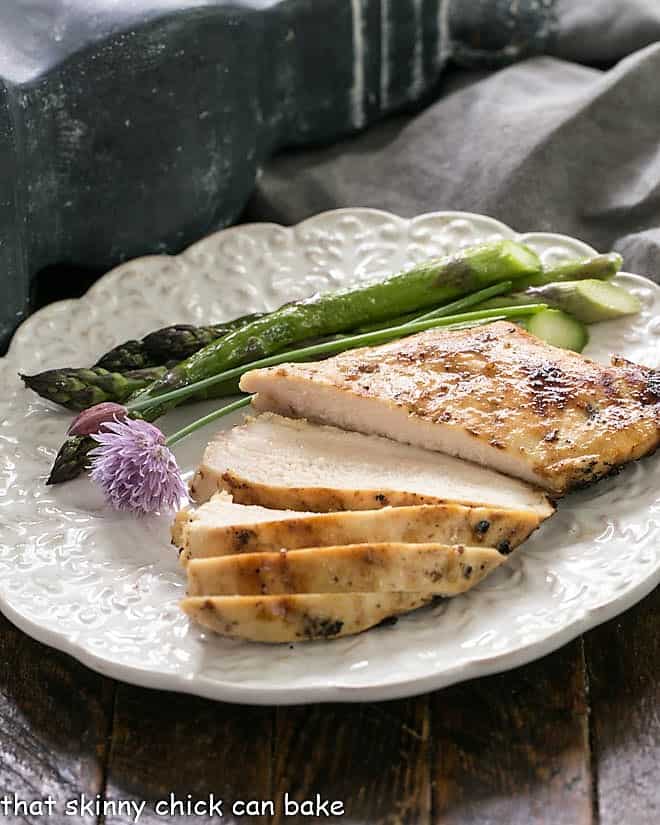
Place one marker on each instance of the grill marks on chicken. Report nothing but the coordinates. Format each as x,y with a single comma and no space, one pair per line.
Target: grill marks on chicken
408,539
386,567
423,521
221,527
298,617
493,395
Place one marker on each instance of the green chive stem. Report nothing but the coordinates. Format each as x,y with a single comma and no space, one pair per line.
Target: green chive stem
467,301
207,419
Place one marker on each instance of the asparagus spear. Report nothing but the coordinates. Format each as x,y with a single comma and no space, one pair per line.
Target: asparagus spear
478,298
588,301
129,355
173,343
599,267
72,456
180,341
129,367
596,267
77,389
80,388
426,285
141,361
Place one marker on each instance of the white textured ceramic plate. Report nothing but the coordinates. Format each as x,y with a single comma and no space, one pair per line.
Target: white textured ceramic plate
104,587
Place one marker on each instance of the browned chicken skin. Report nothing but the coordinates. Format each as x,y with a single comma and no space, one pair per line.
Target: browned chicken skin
492,394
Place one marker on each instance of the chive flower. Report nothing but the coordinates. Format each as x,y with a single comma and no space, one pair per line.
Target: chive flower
135,468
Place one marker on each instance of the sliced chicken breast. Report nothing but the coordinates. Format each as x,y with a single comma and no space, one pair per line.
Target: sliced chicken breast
298,618
440,569
494,395
292,464
221,527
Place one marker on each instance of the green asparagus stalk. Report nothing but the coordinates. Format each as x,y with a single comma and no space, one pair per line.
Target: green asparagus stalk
71,459
173,343
424,286
588,301
78,389
144,406
129,355
599,267
134,365
595,267
478,298
180,341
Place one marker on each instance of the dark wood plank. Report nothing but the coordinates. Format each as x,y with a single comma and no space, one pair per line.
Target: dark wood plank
55,718
372,758
623,659
166,743
513,749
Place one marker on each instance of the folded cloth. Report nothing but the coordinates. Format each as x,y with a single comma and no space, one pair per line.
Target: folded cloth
545,144
604,31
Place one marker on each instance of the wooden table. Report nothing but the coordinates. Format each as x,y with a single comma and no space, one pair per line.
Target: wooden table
573,739
569,740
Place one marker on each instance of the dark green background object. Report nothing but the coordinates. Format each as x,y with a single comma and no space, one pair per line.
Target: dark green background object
136,126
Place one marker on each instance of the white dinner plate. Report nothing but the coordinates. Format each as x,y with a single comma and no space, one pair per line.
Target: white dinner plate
104,586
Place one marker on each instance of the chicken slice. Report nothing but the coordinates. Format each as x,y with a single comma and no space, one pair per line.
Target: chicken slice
220,527
293,464
494,395
388,567
299,617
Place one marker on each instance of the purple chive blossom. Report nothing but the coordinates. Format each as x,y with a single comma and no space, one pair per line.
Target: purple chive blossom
135,469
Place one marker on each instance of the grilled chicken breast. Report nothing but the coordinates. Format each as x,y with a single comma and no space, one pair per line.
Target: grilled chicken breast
291,464
220,527
494,395
298,617
363,568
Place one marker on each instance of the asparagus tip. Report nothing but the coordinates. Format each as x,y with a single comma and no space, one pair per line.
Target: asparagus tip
28,380
58,472
47,384
38,382
71,459
55,475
